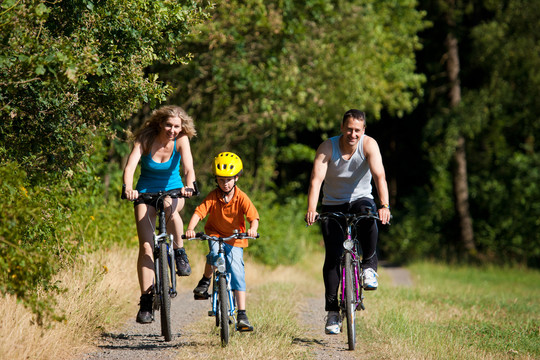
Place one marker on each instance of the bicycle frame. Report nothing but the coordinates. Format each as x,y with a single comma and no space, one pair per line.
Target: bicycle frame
162,238
351,246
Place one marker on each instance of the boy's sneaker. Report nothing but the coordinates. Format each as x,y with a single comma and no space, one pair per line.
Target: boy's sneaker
333,323
370,279
201,291
182,262
145,316
242,323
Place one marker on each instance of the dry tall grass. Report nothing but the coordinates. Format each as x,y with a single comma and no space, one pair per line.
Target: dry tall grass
96,282
273,299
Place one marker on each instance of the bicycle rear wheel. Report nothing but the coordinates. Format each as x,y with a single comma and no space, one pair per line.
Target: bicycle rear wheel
165,298
223,297
350,304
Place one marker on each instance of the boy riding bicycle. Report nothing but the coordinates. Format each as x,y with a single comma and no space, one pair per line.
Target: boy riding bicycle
226,207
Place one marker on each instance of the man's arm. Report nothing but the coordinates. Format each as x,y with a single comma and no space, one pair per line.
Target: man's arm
320,166
374,158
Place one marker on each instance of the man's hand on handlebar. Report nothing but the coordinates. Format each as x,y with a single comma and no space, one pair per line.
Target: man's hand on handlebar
311,217
384,215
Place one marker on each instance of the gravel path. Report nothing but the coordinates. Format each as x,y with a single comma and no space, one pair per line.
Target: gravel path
323,346
142,342
138,342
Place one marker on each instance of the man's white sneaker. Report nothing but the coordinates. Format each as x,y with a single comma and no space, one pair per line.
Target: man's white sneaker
333,323
370,279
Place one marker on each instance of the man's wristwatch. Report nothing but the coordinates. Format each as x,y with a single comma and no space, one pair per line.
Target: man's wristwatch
385,206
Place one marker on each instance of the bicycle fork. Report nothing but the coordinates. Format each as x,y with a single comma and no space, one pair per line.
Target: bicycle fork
358,276
161,240
232,307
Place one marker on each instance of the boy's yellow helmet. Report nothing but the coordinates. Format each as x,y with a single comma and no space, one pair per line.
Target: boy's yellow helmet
227,164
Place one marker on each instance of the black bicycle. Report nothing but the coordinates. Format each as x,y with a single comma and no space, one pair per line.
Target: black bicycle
352,277
223,303
164,261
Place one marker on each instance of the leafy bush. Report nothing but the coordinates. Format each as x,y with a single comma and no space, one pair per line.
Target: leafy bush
284,236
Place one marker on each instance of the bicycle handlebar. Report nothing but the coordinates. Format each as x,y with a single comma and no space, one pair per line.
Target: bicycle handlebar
175,193
348,216
203,236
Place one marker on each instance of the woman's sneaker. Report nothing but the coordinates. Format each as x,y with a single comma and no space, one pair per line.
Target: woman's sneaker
370,279
182,263
333,323
145,316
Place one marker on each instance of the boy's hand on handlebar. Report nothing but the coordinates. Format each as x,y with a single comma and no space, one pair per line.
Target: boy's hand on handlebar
190,234
252,233
311,217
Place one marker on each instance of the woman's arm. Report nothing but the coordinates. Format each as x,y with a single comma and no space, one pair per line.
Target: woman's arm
187,162
129,170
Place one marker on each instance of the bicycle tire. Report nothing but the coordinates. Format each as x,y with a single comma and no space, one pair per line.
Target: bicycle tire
223,297
165,298
350,303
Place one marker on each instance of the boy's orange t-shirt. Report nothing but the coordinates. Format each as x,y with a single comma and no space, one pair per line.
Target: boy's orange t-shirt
224,218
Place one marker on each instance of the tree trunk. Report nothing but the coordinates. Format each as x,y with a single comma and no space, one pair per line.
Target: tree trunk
460,177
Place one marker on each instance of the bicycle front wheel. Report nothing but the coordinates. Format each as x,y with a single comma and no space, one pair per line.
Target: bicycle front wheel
165,298
223,297
350,304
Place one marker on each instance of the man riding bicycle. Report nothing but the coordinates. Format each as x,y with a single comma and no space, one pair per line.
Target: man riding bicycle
346,164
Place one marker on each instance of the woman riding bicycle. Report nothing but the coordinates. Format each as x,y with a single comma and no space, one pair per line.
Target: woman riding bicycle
161,144
226,207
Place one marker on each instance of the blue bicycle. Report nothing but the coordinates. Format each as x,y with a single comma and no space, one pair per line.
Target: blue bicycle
223,302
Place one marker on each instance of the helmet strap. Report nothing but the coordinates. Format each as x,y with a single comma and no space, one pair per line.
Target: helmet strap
225,193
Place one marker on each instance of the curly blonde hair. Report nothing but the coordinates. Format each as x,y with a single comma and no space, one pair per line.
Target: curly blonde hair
151,128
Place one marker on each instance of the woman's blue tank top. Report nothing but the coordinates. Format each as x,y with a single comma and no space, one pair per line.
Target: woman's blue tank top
160,176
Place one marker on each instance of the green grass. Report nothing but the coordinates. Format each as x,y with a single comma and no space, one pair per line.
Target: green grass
458,313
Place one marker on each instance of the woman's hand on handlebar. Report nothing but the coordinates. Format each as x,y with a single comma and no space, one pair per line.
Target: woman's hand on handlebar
187,192
132,195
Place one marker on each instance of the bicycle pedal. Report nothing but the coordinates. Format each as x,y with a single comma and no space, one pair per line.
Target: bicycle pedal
211,313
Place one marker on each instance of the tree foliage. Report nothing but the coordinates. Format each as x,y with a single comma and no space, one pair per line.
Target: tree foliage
268,81
68,70
498,116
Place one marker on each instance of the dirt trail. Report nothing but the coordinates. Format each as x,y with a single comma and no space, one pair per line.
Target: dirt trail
138,342
325,346
142,342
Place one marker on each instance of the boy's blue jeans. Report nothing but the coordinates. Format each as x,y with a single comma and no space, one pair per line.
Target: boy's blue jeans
234,257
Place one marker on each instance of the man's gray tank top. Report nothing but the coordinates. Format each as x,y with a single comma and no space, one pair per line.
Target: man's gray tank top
346,180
